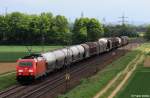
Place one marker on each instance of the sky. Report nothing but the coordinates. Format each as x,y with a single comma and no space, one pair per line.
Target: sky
137,11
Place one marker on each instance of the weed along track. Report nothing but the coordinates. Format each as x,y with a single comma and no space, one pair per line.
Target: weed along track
59,82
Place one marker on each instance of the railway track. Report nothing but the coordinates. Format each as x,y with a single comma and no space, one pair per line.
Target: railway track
20,91
50,85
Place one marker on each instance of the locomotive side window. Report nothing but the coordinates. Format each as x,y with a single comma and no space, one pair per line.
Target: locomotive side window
29,64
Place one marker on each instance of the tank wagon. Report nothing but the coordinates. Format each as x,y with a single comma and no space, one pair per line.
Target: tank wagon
37,65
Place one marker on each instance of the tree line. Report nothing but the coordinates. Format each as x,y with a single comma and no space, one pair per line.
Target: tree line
122,30
20,28
45,28
147,33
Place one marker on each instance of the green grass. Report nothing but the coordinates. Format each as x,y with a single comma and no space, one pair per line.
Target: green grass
138,85
11,56
12,53
130,67
6,81
89,87
24,49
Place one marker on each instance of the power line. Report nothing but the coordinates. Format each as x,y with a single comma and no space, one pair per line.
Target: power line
123,19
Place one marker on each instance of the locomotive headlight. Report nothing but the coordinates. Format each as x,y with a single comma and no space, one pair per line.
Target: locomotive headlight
30,70
20,70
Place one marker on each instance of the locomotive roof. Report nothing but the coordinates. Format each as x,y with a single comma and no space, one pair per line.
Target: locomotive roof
32,56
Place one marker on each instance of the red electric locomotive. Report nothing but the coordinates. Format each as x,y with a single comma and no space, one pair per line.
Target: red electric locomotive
30,68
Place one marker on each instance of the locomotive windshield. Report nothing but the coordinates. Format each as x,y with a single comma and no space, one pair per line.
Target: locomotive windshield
25,64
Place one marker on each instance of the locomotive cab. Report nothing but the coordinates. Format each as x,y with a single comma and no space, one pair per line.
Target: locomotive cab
25,69
30,68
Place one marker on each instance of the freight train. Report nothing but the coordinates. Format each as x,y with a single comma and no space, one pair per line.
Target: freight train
37,65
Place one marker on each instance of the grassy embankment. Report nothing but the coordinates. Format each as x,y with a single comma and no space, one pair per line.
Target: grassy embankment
138,84
6,81
91,86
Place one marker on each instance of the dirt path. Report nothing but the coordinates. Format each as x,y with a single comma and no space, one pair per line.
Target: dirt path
147,62
7,67
117,89
99,94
